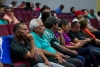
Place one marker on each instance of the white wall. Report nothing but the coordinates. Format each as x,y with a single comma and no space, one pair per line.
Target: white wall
53,4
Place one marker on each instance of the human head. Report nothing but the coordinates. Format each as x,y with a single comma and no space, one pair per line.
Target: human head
65,25
85,11
28,4
45,15
37,4
79,14
37,26
91,11
83,23
0,2
13,3
20,30
52,22
98,13
44,9
72,9
75,26
8,10
23,3
61,7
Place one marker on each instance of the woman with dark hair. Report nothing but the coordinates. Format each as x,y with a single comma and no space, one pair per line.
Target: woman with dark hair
28,6
45,15
85,52
72,10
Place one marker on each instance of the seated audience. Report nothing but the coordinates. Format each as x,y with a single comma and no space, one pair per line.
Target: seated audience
38,6
32,5
72,10
91,15
23,5
76,36
59,10
1,13
78,15
23,48
13,4
37,30
95,31
85,52
9,16
86,31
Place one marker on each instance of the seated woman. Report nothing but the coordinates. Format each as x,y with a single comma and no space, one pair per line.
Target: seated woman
86,32
9,16
85,52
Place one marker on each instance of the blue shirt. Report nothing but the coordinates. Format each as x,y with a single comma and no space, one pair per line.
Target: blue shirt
42,43
58,10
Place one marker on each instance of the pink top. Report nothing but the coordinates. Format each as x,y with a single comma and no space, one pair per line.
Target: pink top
10,20
38,9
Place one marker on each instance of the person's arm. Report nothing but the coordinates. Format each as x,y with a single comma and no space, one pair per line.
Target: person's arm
32,54
12,17
61,37
44,58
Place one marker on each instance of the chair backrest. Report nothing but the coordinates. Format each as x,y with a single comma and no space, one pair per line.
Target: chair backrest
4,30
10,28
5,49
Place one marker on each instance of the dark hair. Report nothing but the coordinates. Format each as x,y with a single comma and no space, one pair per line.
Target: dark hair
98,13
50,22
49,25
45,15
83,23
17,27
73,24
64,22
42,9
7,9
71,9
61,6
28,4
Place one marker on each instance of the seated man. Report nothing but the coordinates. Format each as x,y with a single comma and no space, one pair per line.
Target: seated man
37,30
77,36
9,16
22,47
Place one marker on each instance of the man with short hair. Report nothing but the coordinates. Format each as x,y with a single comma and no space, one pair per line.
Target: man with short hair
37,30
76,36
59,10
23,47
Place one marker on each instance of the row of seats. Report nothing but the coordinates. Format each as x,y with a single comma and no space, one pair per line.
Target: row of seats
8,29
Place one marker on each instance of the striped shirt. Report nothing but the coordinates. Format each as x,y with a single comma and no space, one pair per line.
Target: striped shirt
19,51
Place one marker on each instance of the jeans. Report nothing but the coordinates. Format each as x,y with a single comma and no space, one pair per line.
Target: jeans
81,58
89,58
70,62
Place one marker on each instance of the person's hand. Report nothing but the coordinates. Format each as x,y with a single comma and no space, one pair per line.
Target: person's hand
12,14
59,58
1,65
79,45
64,56
73,51
47,63
60,30
29,37
88,39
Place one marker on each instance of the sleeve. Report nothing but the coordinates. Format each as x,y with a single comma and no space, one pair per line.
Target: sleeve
72,36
